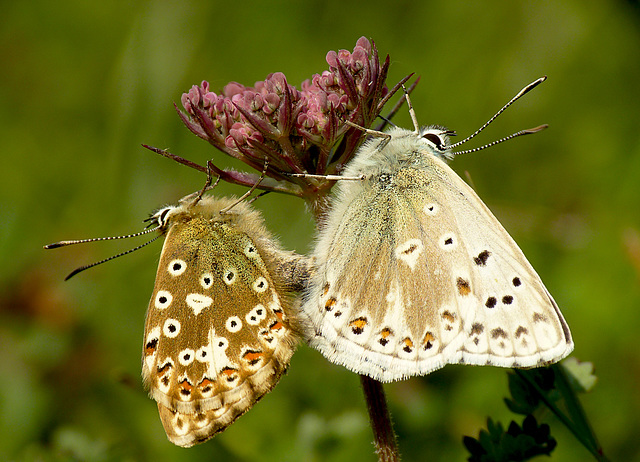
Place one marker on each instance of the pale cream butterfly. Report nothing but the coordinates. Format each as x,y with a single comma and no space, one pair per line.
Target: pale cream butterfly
414,271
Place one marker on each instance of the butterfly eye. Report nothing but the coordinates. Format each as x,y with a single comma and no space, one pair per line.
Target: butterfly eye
163,216
434,139
160,217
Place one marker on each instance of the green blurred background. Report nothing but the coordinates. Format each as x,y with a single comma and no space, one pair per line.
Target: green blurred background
83,84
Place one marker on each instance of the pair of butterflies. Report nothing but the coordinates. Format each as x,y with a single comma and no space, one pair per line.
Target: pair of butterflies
411,271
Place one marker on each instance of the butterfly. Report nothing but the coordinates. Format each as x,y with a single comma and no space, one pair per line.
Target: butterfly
413,271
218,333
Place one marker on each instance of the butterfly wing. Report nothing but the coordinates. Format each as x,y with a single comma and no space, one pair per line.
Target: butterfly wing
415,272
216,337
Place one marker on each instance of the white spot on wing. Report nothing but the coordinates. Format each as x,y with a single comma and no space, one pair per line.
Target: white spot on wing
431,209
206,280
171,328
257,314
198,302
233,324
392,295
229,276
176,267
251,251
163,299
409,252
260,284
154,334
203,354
186,356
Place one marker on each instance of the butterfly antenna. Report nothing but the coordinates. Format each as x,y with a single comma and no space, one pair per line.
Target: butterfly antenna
520,94
82,268
55,245
248,193
528,131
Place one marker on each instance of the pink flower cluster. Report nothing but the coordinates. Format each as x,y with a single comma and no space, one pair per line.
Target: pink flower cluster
296,131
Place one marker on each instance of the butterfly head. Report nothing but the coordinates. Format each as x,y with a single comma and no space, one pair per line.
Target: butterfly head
161,218
437,140
223,210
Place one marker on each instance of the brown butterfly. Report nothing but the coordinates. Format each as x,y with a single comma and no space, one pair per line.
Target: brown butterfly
218,333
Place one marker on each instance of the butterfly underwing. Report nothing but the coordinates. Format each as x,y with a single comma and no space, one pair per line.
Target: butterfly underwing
218,333
415,272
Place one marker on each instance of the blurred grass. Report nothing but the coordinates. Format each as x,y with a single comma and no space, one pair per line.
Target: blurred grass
84,84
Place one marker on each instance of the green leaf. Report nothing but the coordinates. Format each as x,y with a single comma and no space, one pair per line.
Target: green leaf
580,374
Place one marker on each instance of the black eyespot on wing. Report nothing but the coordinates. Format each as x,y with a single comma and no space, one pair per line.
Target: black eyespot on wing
498,333
491,302
477,328
151,345
481,259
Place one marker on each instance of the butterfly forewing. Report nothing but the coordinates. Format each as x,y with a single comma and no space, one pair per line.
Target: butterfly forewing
519,324
414,272
216,337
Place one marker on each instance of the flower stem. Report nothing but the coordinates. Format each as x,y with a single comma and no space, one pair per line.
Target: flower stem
383,434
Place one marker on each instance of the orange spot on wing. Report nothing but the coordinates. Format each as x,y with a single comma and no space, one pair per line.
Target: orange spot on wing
164,369
229,371
253,357
330,304
448,316
463,287
151,346
205,383
358,325
277,325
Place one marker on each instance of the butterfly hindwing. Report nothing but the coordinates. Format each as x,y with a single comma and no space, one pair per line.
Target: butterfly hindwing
216,337
414,272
